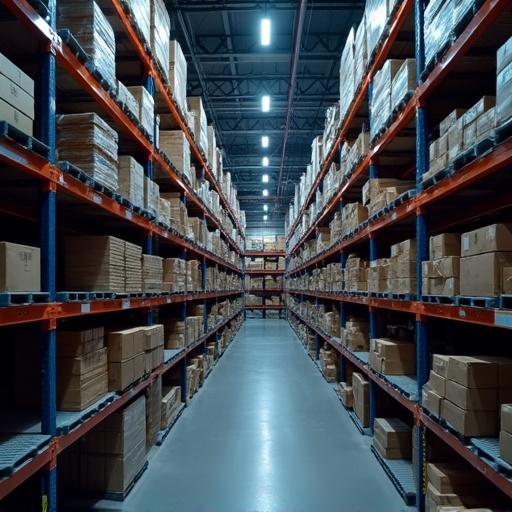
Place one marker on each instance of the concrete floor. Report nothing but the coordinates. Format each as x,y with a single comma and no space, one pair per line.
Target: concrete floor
265,434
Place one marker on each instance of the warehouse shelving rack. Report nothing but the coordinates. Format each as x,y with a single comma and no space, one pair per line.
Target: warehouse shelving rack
37,159
416,213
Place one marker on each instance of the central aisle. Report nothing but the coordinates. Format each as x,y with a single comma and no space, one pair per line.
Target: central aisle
265,434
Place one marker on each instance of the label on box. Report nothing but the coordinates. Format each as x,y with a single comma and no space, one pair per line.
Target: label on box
125,304
85,308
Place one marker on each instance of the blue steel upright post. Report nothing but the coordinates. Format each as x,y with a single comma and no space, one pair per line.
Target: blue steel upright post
422,162
46,132
183,317
342,371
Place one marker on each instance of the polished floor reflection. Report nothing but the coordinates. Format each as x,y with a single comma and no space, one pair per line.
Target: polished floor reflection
265,434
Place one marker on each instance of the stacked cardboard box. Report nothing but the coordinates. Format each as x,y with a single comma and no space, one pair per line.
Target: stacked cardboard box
195,104
392,357
194,328
378,276
116,450
356,270
95,263
153,346
175,144
142,17
126,360
503,82
379,192
16,96
174,275
434,390
90,27
126,98
178,75
485,266
506,432
355,334
193,276
346,394
88,142
164,212
151,196
404,83
441,274
392,438
356,152
347,74
402,267
192,379
82,376
352,216
153,411
20,268
329,363
174,333
131,180
133,268
146,104
160,35
361,391
171,403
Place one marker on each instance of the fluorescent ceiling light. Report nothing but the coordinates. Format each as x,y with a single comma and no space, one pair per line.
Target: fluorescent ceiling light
264,178
264,141
265,217
265,31
265,192
265,103
265,207
264,161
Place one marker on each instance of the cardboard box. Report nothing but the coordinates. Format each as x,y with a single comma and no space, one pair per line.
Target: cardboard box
506,417
472,399
469,423
121,374
360,387
13,94
120,345
16,75
431,401
473,372
481,274
393,433
346,395
443,245
437,384
451,477
20,268
16,118
440,364
506,446
503,98
493,238
450,120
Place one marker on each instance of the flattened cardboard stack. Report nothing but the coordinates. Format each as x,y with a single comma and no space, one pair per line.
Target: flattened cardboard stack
151,196
116,450
361,391
171,402
178,75
88,142
82,376
174,276
194,328
16,96
146,104
152,273
392,438
20,268
195,104
133,268
441,274
174,330
126,98
164,212
94,263
175,144
392,357
160,35
153,411
141,16
90,27
131,180
126,360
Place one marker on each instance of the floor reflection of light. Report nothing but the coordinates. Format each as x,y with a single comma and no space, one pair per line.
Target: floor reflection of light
265,461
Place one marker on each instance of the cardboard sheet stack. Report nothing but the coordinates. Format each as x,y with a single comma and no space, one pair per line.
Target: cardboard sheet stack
194,276
88,142
16,96
90,27
170,405
174,333
195,104
329,363
467,392
152,273
404,83
402,267
160,35
133,268
194,328
175,144
164,212
82,376
151,196
361,391
153,411
392,438
392,357
441,274
174,275
131,180
95,263
126,98
178,75
146,103
141,16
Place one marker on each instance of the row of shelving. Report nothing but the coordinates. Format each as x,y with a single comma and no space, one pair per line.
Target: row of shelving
421,416
79,71
48,455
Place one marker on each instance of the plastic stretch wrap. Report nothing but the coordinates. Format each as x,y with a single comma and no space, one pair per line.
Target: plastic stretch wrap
88,142
404,82
360,53
376,15
160,34
175,144
164,211
141,11
316,151
151,196
358,151
347,75
131,180
438,26
146,107
127,99
195,104
212,150
332,123
91,29
178,75
461,8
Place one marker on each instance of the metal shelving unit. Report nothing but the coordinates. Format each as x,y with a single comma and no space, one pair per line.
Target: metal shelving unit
420,214
37,161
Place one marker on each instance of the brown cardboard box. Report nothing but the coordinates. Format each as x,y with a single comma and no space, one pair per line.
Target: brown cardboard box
431,401
506,446
17,119
16,75
503,98
16,96
120,345
450,120
451,477
389,452
492,238
472,399
481,274
506,280
504,370
360,387
444,245
120,374
440,364
139,363
20,268
506,417
469,423
346,394
437,384
77,392
393,433
473,372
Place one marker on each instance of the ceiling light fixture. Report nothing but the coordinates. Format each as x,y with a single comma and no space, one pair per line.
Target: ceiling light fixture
264,161
265,207
265,217
265,103
264,141
265,27
264,178
265,192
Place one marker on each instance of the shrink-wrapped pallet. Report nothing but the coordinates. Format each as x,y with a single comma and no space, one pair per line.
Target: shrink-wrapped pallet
164,211
438,25
176,146
212,150
146,105
88,142
376,15
160,35
141,10
151,196
404,83
133,268
347,75
195,104
126,98
360,53
131,180
90,27
178,75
